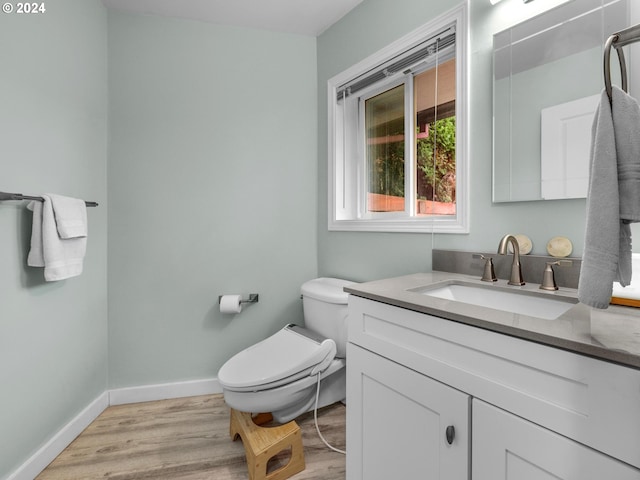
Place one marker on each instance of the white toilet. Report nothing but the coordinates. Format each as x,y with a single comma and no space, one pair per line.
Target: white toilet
279,374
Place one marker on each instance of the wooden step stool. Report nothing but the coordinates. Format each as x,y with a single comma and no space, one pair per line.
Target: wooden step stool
263,443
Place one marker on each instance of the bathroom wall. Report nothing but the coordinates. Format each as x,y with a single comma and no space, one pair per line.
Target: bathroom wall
53,138
365,256
212,187
217,183
539,220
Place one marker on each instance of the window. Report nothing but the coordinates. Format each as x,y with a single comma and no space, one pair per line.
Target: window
397,159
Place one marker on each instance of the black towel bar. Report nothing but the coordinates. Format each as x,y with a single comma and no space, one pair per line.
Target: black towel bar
19,196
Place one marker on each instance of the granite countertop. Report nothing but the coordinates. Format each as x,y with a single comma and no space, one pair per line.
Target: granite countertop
612,335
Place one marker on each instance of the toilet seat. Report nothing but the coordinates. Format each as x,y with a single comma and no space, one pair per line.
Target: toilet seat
290,400
284,357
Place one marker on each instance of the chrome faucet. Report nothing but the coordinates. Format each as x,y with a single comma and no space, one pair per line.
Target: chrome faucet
516,270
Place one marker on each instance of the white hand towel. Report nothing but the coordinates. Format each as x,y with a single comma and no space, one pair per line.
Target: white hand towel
61,257
71,216
36,256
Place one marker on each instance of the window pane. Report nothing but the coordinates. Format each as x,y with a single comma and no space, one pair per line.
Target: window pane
435,106
384,127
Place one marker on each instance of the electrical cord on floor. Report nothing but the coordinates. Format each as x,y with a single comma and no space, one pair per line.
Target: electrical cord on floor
315,418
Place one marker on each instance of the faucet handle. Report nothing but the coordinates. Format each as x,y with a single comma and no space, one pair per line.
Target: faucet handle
548,277
489,274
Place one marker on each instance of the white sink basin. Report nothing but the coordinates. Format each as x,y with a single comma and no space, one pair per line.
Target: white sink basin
522,302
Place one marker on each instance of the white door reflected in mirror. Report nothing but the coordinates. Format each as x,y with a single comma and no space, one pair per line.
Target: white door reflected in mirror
565,147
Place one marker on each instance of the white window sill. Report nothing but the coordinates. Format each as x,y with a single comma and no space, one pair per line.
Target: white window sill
417,225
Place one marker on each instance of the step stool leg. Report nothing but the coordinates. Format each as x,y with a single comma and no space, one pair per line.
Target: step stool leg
261,444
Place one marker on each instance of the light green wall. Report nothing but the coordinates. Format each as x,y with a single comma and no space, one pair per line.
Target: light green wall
212,188
371,26
53,131
216,184
365,256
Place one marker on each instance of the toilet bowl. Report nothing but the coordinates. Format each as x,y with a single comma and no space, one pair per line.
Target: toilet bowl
280,374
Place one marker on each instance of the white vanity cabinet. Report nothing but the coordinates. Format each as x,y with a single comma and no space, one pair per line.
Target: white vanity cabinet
519,409
407,426
508,447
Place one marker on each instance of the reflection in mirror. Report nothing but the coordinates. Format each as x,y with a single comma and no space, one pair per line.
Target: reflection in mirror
547,83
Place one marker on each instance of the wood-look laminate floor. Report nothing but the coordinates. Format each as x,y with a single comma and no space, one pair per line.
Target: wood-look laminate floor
185,439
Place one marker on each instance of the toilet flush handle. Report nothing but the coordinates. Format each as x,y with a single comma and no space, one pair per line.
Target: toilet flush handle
330,346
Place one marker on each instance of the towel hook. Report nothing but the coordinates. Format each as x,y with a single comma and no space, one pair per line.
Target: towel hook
617,41
611,42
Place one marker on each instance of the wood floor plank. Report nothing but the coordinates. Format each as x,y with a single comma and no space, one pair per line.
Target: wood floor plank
185,439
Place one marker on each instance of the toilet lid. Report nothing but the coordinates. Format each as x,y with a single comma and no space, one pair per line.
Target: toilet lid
284,355
328,290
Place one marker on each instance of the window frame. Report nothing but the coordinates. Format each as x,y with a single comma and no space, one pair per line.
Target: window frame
347,162
367,94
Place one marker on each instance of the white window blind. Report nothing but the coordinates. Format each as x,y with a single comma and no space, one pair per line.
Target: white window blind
439,48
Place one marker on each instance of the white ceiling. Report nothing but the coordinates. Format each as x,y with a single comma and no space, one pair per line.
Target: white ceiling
305,17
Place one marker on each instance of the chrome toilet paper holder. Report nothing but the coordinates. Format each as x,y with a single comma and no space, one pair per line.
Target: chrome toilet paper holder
253,298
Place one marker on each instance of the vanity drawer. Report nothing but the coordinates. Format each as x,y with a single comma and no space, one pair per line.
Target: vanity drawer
594,402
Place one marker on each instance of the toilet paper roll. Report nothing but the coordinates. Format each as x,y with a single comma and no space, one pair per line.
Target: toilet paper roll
230,304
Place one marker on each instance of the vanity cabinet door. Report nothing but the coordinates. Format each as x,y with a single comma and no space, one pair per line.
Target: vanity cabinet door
401,424
508,447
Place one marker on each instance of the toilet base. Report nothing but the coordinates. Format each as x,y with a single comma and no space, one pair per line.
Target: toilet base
261,444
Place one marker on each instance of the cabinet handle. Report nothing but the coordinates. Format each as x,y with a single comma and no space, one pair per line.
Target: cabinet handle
450,434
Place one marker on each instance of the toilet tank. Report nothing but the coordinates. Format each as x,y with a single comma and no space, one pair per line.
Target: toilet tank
325,309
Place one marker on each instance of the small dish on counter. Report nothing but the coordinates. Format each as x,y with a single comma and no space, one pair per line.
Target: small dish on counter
559,247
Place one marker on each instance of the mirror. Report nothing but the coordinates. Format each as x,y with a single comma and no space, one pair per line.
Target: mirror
548,76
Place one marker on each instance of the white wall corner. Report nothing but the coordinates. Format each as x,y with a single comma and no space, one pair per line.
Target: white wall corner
119,396
164,391
50,450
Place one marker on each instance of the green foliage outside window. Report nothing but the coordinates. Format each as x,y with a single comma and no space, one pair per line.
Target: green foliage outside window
386,169
436,172
438,179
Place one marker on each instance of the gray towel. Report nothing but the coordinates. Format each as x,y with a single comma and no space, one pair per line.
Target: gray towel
613,200
626,122
626,125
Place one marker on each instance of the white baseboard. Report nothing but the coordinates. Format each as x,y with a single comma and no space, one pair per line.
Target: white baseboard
119,396
67,434
164,391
